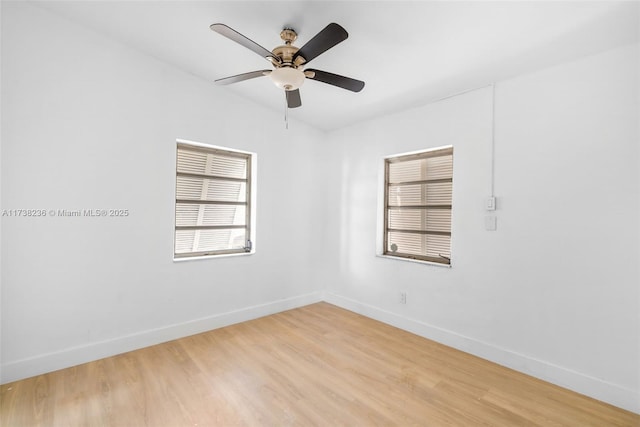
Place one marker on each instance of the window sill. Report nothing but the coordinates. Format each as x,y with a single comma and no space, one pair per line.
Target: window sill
196,258
417,261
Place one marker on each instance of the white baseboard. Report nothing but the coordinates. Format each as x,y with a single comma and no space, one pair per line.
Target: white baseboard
25,368
576,381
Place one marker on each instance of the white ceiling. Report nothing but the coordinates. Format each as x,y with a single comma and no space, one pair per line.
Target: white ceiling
408,53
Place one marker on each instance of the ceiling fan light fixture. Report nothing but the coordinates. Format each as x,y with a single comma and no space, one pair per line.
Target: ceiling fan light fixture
287,78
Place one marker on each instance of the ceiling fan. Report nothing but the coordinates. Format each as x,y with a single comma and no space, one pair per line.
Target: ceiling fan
289,61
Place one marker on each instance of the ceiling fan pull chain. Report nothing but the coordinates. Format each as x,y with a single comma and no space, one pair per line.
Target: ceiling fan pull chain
286,114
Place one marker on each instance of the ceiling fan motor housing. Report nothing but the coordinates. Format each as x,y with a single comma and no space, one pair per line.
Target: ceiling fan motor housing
285,53
286,74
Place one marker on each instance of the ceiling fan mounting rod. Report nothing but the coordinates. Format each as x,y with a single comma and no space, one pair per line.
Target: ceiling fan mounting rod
287,52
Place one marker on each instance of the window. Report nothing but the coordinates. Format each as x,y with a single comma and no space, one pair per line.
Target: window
213,201
417,205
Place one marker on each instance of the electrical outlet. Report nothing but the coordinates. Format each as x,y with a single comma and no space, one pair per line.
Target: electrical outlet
403,297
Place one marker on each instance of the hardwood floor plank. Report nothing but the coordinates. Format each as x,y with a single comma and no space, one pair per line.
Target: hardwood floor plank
317,365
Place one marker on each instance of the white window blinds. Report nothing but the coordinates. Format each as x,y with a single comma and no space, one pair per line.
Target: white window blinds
212,201
418,189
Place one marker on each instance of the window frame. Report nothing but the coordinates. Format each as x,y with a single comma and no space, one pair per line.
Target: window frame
250,201
383,240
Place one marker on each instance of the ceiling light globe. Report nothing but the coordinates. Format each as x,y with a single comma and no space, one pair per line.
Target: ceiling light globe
287,78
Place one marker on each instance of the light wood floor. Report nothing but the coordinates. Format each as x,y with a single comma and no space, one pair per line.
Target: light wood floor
316,365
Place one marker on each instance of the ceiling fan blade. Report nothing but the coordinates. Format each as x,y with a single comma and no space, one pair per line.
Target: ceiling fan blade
232,34
293,98
335,80
330,36
242,77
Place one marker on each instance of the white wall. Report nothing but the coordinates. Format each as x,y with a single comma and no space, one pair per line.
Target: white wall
91,124
555,290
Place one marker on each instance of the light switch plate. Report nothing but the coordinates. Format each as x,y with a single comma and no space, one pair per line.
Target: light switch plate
490,223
